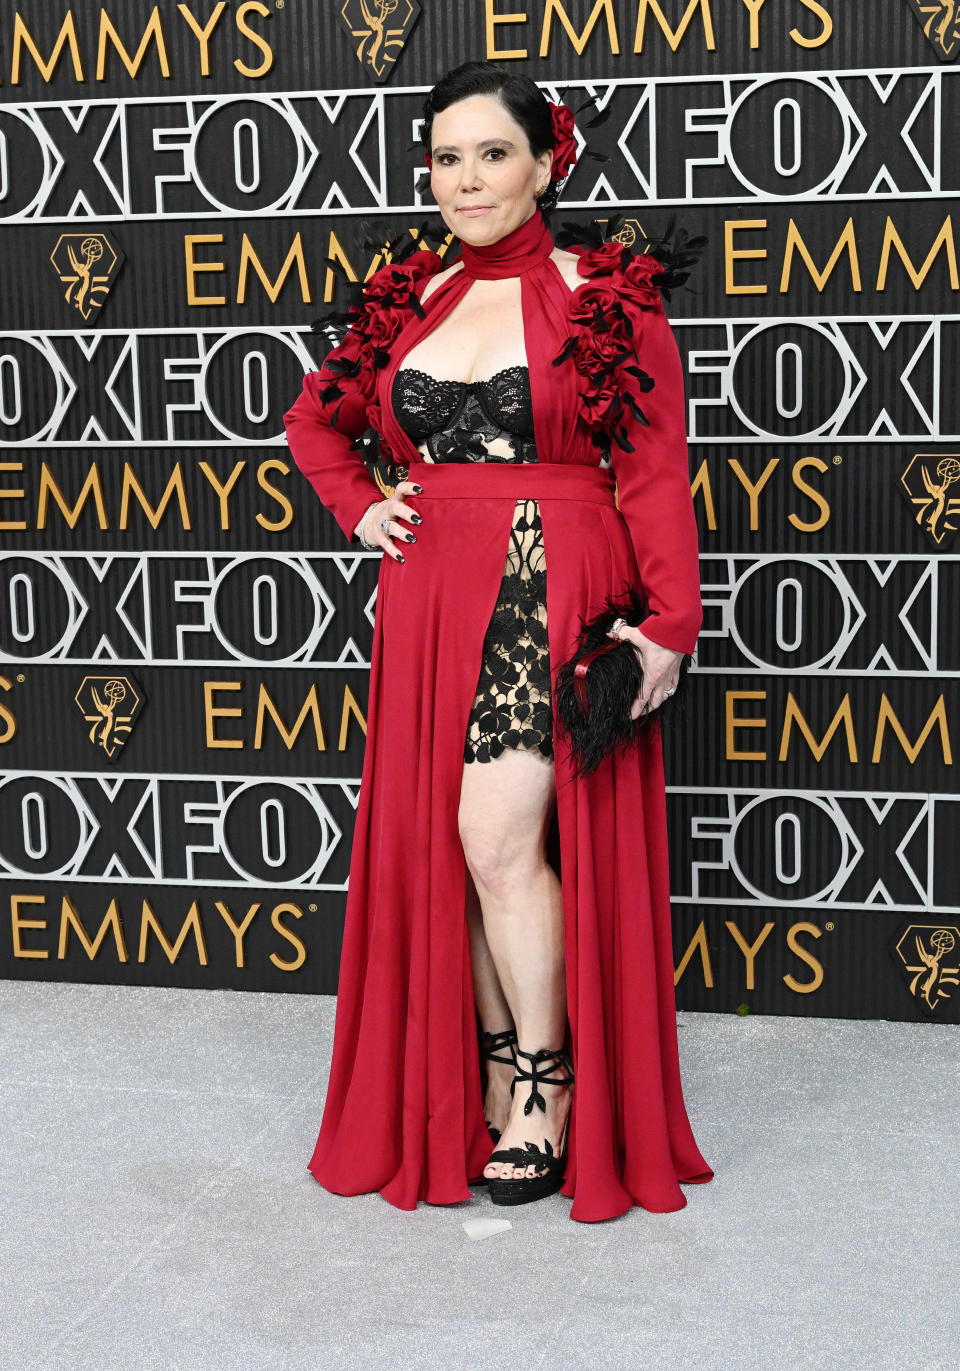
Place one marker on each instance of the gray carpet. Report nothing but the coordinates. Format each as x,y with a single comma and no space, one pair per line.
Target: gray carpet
157,1211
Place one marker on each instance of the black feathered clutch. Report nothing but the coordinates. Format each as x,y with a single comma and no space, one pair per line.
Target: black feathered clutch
596,687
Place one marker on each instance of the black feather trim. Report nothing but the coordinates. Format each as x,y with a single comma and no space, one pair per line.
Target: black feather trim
395,248
676,250
590,234
638,413
568,347
645,381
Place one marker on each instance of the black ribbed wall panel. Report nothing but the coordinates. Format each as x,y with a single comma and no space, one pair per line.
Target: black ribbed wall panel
159,551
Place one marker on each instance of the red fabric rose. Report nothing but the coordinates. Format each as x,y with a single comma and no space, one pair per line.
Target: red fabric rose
420,264
601,405
388,280
356,347
350,369
605,334
638,281
598,352
383,326
594,298
398,279
601,260
564,143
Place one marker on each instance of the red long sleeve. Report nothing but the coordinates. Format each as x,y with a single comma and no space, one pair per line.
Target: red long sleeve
324,453
653,492
338,402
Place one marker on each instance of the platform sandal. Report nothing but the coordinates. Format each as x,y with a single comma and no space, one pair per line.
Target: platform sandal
489,1044
522,1189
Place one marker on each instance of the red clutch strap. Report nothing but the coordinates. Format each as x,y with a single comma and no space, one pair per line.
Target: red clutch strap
580,671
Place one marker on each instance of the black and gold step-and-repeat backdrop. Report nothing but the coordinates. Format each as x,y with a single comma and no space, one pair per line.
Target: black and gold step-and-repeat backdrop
184,632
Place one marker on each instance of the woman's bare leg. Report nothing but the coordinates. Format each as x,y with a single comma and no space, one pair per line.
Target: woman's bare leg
505,810
492,1009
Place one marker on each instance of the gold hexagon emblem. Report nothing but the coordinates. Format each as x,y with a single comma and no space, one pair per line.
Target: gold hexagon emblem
630,235
941,24
927,482
379,28
928,953
87,264
108,703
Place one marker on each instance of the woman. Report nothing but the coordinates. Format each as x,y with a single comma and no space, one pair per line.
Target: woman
488,881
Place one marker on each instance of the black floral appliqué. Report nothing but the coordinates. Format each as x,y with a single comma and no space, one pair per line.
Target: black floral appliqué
512,705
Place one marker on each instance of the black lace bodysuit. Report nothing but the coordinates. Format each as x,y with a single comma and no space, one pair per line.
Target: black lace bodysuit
492,421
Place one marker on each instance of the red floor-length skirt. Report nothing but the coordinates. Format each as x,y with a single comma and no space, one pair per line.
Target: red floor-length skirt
403,1112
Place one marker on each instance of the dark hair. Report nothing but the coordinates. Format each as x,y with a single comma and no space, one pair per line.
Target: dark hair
525,102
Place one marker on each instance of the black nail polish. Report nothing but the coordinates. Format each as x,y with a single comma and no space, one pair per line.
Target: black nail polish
411,538
399,556
418,490
416,518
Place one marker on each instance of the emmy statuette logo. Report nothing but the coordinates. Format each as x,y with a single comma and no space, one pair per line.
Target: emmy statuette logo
380,29
630,235
87,264
927,953
940,20
108,703
927,484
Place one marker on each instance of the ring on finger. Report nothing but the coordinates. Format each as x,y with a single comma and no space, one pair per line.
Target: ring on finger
385,525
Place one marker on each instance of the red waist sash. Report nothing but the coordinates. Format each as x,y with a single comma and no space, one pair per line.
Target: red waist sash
517,480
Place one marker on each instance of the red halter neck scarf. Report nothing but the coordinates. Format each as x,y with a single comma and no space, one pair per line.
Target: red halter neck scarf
544,300
516,252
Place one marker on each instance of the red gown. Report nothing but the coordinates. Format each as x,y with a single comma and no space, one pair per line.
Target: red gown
403,1113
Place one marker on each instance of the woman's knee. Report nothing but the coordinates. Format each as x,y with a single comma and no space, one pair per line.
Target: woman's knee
503,819
498,855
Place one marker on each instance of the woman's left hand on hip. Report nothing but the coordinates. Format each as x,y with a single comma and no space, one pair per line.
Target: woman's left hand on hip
661,669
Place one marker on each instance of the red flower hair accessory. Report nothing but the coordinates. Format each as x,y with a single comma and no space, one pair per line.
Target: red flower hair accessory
564,143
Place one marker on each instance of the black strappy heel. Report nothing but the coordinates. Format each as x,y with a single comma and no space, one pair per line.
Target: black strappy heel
522,1189
489,1044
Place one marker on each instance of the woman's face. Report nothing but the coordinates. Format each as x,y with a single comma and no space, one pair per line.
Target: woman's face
484,176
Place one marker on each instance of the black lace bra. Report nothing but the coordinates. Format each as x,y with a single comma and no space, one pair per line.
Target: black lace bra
459,419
